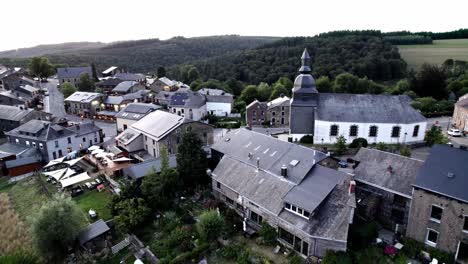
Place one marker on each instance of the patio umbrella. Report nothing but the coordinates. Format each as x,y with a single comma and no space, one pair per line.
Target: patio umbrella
54,162
96,151
121,159
93,148
73,161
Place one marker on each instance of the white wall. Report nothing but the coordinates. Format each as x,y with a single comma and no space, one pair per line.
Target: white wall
219,109
322,131
122,121
197,113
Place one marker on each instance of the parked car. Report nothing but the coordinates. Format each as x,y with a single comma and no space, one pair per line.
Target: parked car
454,132
343,164
76,191
89,185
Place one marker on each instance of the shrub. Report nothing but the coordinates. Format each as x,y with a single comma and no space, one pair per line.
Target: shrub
381,146
332,257
295,259
307,139
340,145
358,143
211,225
268,234
405,151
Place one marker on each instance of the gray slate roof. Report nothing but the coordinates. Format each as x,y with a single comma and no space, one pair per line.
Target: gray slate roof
124,86
136,111
8,149
83,97
159,123
21,161
129,76
114,100
85,128
211,91
92,231
387,170
367,108
273,153
434,174
187,100
109,81
13,113
40,130
74,72
140,170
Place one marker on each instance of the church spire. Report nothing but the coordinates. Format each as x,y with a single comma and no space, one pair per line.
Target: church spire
305,58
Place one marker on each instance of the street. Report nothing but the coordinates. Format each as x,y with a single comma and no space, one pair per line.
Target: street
55,105
444,122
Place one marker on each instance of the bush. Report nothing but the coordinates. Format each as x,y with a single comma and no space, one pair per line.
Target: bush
211,225
413,248
268,234
405,151
307,139
332,257
295,259
358,143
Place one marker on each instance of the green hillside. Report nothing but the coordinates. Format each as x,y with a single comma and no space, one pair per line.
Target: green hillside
435,53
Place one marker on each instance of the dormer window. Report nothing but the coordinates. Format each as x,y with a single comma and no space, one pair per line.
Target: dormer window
296,210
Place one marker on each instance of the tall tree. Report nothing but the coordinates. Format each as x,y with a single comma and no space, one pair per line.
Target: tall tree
324,85
94,72
192,162
249,94
41,67
278,90
161,72
159,188
131,214
264,91
68,89
56,226
430,82
85,83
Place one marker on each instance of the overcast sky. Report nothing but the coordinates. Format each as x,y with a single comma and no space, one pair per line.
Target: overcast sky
28,23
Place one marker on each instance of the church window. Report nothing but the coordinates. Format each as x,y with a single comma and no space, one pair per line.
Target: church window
396,131
373,131
416,131
333,130
353,130
273,113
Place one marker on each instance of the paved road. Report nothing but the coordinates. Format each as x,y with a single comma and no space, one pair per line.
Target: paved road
444,123
54,104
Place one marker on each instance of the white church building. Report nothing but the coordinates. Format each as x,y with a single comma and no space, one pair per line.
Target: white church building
326,116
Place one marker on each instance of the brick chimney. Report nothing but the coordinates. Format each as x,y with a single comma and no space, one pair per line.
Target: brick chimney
352,187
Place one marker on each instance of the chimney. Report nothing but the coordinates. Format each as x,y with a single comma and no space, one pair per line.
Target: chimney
352,187
284,171
258,163
250,155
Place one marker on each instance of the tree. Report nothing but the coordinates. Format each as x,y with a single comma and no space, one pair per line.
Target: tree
56,226
41,67
161,72
131,213
191,160
340,145
286,82
324,85
264,91
210,225
193,74
278,91
268,234
94,72
128,191
435,136
346,83
249,94
235,86
429,81
159,189
85,83
68,89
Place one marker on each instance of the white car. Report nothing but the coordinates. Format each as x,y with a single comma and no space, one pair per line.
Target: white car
454,132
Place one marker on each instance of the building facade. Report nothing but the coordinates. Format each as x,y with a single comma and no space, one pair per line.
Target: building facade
189,104
460,114
72,74
255,113
278,112
12,117
85,104
132,113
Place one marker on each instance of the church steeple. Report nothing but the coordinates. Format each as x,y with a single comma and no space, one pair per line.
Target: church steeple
305,66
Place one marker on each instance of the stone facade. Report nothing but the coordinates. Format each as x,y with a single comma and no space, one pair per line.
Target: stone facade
255,113
278,115
450,227
460,114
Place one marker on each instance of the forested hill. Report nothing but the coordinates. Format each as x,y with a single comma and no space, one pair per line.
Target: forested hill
362,55
146,55
50,49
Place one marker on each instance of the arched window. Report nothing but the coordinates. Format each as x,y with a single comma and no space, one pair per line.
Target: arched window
334,130
373,131
416,131
396,132
353,131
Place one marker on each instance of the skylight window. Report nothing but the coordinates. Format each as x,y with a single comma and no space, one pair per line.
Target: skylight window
294,163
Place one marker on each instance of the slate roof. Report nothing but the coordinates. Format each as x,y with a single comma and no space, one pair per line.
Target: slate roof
114,99
11,95
136,95
13,113
21,161
125,86
210,91
284,101
187,100
92,231
367,108
273,153
159,123
109,82
74,72
167,81
40,130
129,76
108,70
387,170
136,111
83,97
445,172
262,104
140,170
8,149
29,88
85,128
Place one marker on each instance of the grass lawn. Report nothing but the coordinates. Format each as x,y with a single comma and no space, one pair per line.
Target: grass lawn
435,53
98,201
14,234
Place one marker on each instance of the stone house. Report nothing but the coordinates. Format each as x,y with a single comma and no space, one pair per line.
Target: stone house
127,87
132,113
218,102
460,114
255,113
10,98
12,117
439,209
115,103
161,128
14,79
164,84
54,141
72,74
85,104
384,187
264,179
108,84
278,112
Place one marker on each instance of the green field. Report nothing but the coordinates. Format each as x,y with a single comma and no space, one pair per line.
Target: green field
98,201
435,53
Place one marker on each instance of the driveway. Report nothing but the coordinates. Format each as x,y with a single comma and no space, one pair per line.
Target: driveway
55,105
